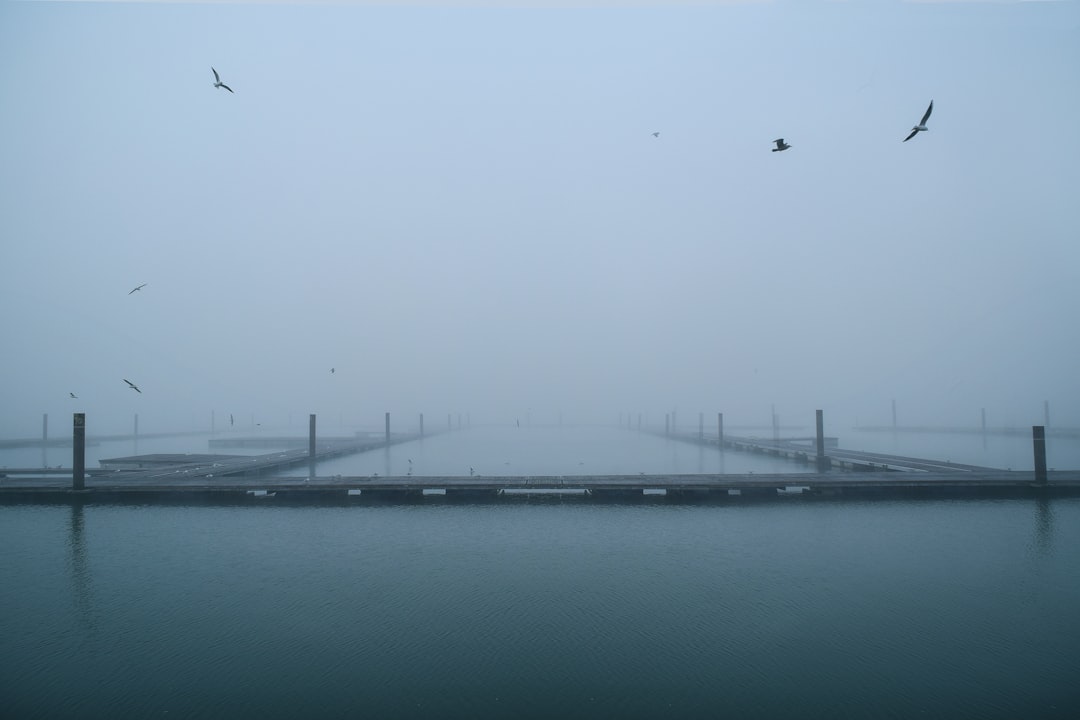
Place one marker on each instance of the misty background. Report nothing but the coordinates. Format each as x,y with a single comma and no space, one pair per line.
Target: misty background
463,210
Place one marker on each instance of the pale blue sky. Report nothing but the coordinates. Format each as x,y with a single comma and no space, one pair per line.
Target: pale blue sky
462,209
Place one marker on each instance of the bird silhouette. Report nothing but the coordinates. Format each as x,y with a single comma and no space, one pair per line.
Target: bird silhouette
73,395
218,83
921,127
656,134
138,288
780,145
133,386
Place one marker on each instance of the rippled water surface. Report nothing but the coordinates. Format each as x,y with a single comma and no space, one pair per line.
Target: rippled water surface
544,609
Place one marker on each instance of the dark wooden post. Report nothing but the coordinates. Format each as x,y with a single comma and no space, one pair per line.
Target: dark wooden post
387,428
78,453
823,462
1038,440
311,437
720,428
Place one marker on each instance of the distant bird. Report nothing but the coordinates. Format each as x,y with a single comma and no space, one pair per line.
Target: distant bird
218,83
656,134
73,395
138,288
230,419
780,145
133,386
471,471
921,127
331,371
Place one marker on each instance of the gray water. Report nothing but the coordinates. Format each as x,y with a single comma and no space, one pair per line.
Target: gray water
544,609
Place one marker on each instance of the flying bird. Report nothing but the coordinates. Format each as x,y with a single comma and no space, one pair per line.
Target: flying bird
780,145
921,127
230,419
133,386
331,371
138,288
218,83
73,395
656,134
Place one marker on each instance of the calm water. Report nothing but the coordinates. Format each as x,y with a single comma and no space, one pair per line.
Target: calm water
541,610
549,450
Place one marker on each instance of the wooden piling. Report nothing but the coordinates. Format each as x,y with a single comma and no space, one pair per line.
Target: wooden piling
1038,441
311,437
823,462
78,452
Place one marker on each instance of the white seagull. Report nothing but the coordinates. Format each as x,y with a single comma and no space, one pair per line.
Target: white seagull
780,145
138,288
921,127
218,83
133,386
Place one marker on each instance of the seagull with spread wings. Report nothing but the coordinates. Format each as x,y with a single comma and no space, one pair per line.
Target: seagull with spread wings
921,127
218,83
133,386
138,288
780,145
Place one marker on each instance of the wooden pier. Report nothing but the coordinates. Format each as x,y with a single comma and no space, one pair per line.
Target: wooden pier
189,488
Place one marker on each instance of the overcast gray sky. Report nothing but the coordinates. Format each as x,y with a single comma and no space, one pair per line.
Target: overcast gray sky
461,208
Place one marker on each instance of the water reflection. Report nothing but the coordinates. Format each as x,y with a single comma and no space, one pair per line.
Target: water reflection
1044,526
82,584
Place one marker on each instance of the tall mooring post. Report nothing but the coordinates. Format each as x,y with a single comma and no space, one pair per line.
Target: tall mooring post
701,426
823,463
720,429
78,452
421,424
311,445
1038,441
387,428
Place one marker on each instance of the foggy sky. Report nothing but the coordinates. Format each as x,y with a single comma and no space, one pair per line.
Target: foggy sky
462,210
